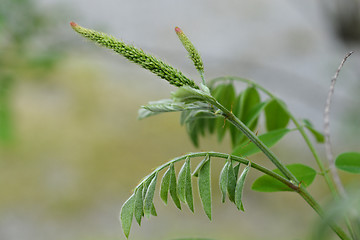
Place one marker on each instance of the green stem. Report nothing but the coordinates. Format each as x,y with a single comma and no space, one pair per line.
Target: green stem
225,156
202,77
296,187
315,205
253,138
297,124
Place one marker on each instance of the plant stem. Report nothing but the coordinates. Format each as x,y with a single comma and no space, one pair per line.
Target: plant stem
296,123
226,156
328,149
296,187
315,205
202,77
307,197
253,138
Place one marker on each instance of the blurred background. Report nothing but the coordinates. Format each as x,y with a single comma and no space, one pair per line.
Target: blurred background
71,148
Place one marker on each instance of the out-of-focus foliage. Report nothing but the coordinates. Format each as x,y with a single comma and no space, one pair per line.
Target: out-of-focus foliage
23,53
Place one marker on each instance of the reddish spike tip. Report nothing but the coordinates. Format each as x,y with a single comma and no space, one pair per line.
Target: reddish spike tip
72,24
178,30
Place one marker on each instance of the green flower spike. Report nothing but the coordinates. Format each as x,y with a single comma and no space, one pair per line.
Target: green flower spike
193,53
138,56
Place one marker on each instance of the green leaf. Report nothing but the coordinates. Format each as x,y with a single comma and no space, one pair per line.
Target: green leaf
144,112
212,122
188,94
126,215
246,112
201,125
199,166
168,105
303,173
239,188
173,188
319,136
269,139
234,132
146,184
254,113
249,99
196,122
139,210
149,197
153,210
164,187
349,162
205,187
223,181
183,116
236,170
182,182
193,133
231,182
276,115
188,186
221,126
199,115
226,96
